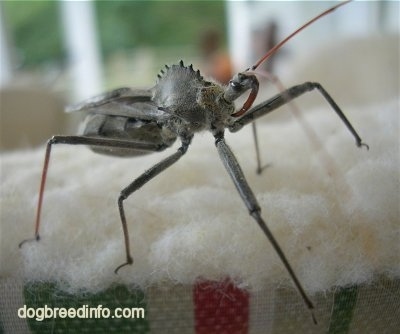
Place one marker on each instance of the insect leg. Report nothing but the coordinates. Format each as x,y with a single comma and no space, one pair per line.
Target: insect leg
257,148
286,96
238,178
78,140
271,36
138,183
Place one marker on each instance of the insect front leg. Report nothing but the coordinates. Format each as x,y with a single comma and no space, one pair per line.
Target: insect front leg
78,140
138,183
285,97
233,168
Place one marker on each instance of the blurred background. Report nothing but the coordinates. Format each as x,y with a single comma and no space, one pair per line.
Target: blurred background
53,53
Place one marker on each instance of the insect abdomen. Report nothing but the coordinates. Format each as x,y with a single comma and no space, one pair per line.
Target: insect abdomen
129,129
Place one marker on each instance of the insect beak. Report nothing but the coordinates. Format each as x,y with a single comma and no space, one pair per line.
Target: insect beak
245,82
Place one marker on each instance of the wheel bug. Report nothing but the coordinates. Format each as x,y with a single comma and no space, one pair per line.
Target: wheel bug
129,122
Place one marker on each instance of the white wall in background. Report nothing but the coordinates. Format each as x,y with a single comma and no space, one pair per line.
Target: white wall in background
5,53
79,22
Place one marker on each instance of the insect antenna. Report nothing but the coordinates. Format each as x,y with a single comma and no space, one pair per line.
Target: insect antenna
280,44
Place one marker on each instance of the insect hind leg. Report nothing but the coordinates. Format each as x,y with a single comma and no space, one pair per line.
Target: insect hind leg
78,140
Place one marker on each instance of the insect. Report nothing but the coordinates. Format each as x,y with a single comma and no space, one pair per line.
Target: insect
132,122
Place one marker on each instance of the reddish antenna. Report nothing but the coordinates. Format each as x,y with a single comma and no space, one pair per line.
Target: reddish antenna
279,45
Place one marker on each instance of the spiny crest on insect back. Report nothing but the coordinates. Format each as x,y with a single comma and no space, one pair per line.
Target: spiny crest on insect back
179,72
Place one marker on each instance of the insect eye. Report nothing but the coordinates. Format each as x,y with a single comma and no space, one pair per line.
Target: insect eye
234,84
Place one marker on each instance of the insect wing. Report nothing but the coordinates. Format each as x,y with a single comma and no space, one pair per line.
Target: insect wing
126,102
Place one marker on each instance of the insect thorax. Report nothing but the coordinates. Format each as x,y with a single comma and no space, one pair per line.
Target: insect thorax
184,93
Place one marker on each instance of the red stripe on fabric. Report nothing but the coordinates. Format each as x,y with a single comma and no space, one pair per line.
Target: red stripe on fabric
220,307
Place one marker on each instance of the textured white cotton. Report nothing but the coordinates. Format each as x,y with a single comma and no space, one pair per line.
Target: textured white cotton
189,222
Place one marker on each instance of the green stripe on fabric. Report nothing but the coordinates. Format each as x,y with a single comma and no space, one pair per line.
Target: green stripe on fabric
38,295
345,300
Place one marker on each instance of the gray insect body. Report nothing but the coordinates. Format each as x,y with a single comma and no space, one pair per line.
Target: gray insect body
179,105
